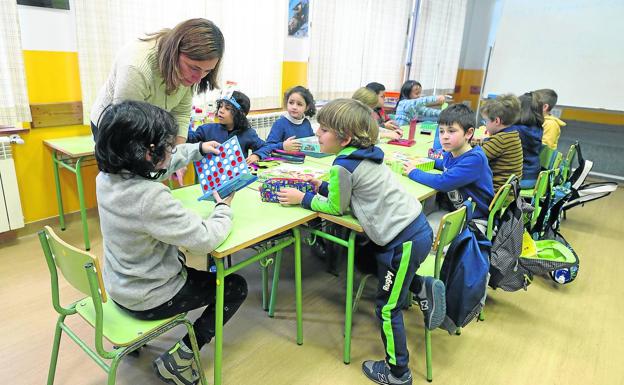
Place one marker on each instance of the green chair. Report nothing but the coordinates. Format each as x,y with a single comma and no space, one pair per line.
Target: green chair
82,270
539,193
567,162
548,158
450,226
498,205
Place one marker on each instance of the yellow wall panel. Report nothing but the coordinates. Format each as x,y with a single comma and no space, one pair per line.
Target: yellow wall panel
33,166
52,77
294,73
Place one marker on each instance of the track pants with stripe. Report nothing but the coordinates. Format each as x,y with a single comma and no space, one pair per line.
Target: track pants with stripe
397,263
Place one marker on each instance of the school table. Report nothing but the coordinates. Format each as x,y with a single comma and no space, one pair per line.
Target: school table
253,222
71,153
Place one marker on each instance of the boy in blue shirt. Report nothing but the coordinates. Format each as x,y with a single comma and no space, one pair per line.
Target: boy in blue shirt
466,172
399,233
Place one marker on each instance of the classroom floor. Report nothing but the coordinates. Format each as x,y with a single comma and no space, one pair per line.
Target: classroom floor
550,334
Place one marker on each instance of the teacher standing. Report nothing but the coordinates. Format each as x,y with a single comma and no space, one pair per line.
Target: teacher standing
165,69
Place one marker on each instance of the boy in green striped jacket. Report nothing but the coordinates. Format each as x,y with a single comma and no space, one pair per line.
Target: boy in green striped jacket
503,148
392,219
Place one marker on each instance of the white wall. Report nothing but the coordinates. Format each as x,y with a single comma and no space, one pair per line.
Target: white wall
575,47
477,30
47,29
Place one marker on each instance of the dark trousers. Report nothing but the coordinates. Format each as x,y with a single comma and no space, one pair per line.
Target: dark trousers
397,263
199,291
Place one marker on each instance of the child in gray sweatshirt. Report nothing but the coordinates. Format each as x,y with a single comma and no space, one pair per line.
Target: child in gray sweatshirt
143,226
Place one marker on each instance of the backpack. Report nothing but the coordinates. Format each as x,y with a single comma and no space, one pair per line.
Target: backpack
465,275
506,271
564,195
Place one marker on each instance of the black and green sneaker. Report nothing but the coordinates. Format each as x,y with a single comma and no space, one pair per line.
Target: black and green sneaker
177,366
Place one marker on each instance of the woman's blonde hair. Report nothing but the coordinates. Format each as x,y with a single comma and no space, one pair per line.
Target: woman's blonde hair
350,118
199,39
366,96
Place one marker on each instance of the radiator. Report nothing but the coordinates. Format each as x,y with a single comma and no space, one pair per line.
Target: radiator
11,216
263,122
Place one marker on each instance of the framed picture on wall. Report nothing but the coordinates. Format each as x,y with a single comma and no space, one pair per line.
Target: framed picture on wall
298,12
56,4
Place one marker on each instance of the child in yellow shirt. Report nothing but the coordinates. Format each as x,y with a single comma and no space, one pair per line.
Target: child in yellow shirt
552,124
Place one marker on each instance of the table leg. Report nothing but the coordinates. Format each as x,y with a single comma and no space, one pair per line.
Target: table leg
297,245
57,182
349,298
83,209
218,340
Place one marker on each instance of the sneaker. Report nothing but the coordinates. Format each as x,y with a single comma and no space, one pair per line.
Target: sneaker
177,366
432,302
379,372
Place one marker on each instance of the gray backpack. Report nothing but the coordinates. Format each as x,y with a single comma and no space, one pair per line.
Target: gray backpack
506,270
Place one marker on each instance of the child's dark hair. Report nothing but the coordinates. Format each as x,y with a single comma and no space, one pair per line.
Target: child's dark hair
306,95
460,114
239,116
547,96
531,110
126,133
406,88
376,87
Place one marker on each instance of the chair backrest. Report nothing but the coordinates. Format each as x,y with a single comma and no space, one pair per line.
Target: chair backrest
450,226
497,207
548,158
71,261
541,186
567,162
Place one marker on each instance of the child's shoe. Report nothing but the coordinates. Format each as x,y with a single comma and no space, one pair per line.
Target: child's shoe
432,302
177,366
379,372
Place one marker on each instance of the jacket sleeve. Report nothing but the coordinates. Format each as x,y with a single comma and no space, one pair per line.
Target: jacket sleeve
276,136
338,194
258,146
194,136
171,223
461,174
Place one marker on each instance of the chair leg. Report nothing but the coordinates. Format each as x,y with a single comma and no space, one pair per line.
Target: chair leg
196,348
55,349
428,355
112,373
360,289
229,261
275,283
482,315
264,269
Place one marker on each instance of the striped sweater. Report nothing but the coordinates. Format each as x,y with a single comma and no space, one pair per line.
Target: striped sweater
504,153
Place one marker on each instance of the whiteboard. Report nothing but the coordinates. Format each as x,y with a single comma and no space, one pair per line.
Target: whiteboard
575,47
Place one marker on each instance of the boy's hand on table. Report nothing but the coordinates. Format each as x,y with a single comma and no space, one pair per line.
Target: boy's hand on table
253,158
408,167
290,196
391,125
315,182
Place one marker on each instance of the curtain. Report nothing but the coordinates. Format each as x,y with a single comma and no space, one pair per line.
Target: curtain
354,42
253,35
437,44
14,106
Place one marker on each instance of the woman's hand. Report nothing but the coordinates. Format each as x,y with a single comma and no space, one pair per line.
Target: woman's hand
292,144
253,158
290,196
